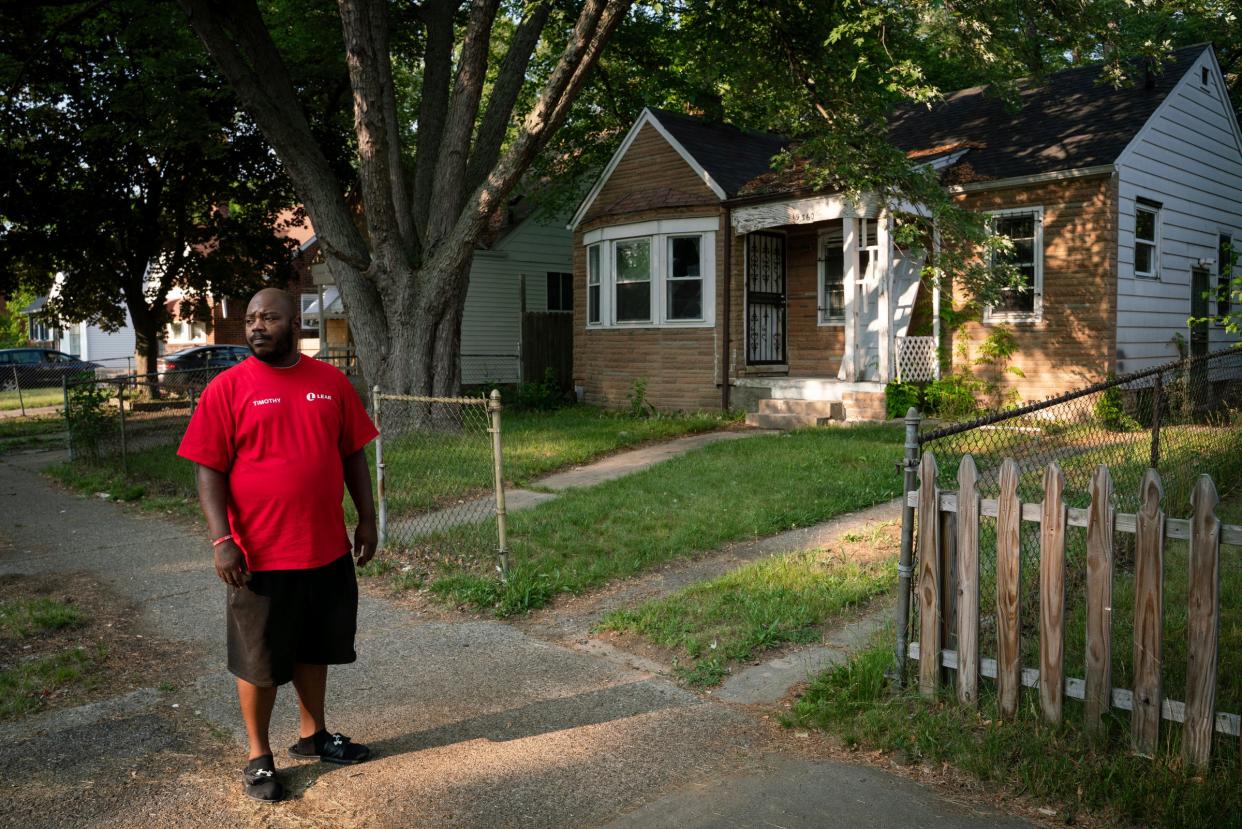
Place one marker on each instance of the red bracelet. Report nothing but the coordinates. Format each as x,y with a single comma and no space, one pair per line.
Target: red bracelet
222,539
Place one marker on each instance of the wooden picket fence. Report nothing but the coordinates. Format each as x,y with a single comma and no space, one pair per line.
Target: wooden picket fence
952,535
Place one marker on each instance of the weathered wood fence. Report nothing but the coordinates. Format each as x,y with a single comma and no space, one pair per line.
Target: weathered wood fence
948,600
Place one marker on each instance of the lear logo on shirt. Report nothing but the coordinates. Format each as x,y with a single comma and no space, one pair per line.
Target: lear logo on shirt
313,396
266,401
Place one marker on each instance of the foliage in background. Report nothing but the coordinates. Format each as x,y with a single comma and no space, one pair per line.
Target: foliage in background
13,323
1110,411
89,417
542,396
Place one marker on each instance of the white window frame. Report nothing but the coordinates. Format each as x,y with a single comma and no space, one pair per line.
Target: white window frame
1037,312
650,280
821,303
1156,211
595,281
659,235
311,321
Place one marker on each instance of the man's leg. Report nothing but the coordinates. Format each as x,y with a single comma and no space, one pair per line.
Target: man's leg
256,709
311,683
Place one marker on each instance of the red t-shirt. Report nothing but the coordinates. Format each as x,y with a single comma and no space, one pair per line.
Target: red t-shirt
280,434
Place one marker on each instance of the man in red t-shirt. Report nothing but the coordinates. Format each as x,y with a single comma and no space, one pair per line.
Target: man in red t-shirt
277,439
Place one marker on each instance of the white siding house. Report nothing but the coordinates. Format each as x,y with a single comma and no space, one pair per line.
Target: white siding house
1179,184
537,249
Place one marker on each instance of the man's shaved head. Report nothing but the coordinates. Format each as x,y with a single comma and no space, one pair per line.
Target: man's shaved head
271,327
269,296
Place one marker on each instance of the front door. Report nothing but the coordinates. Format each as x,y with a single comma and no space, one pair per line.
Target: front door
765,299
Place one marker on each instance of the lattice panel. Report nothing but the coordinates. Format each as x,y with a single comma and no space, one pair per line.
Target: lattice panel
916,359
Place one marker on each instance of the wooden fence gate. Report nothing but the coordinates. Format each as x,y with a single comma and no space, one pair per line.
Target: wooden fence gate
548,343
948,600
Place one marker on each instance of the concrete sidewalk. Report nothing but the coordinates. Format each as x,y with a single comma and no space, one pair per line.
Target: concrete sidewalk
472,723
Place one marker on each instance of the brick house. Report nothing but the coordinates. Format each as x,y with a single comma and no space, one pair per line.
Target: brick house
709,286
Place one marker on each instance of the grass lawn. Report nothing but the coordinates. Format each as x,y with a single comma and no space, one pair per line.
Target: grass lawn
1058,766
724,492
33,398
424,470
417,474
785,599
24,679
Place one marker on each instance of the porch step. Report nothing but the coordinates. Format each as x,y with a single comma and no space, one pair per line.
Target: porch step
785,422
821,408
864,405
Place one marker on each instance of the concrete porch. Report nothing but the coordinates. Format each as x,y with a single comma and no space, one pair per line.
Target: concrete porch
795,402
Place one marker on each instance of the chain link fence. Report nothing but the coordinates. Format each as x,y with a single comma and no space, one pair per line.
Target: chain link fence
1183,418
115,419
439,474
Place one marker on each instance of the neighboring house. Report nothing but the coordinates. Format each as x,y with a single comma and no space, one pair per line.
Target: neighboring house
114,350
527,249
706,280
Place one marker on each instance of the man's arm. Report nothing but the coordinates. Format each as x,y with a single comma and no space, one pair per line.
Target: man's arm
358,482
213,497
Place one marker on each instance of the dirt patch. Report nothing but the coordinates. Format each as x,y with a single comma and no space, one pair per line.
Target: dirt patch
117,655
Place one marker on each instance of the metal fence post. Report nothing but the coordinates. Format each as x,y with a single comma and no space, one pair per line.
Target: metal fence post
120,399
379,467
17,384
64,390
1157,407
493,406
905,565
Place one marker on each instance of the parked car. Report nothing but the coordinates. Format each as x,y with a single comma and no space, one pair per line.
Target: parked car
40,367
192,368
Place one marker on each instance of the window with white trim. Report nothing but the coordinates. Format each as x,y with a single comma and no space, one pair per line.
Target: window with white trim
1146,239
309,320
832,277
648,274
632,267
1025,229
593,284
685,278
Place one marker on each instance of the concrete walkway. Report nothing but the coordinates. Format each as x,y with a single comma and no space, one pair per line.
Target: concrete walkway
546,488
473,723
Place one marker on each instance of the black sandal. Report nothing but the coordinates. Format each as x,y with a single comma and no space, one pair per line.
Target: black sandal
329,748
259,781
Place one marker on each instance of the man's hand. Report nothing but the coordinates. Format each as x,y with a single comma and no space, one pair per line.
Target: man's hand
231,564
366,538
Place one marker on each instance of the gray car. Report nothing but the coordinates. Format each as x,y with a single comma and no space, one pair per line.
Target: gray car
40,367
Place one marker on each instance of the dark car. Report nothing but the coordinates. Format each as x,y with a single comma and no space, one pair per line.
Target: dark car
40,367
192,368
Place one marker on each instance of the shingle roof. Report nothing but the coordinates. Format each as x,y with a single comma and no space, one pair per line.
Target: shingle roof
730,155
1066,122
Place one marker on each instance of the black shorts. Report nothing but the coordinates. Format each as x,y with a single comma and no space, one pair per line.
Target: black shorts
281,618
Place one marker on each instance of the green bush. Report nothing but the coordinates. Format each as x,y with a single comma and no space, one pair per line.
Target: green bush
899,397
1110,412
543,396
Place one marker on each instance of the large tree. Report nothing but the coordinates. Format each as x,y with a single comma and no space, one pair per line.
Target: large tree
128,168
486,85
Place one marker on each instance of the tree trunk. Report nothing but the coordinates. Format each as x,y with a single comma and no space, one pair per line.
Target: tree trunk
148,331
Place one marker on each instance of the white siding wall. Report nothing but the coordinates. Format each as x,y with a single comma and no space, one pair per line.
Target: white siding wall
1188,157
491,327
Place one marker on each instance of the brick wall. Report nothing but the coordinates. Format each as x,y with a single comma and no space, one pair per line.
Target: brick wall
679,365
1075,341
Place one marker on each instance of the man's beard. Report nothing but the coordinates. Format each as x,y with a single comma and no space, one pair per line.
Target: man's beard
280,348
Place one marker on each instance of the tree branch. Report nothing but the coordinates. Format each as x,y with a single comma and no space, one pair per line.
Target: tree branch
448,189
437,70
505,91
234,33
365,26
596,23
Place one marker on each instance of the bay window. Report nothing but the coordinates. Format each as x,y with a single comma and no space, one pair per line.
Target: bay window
652,274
